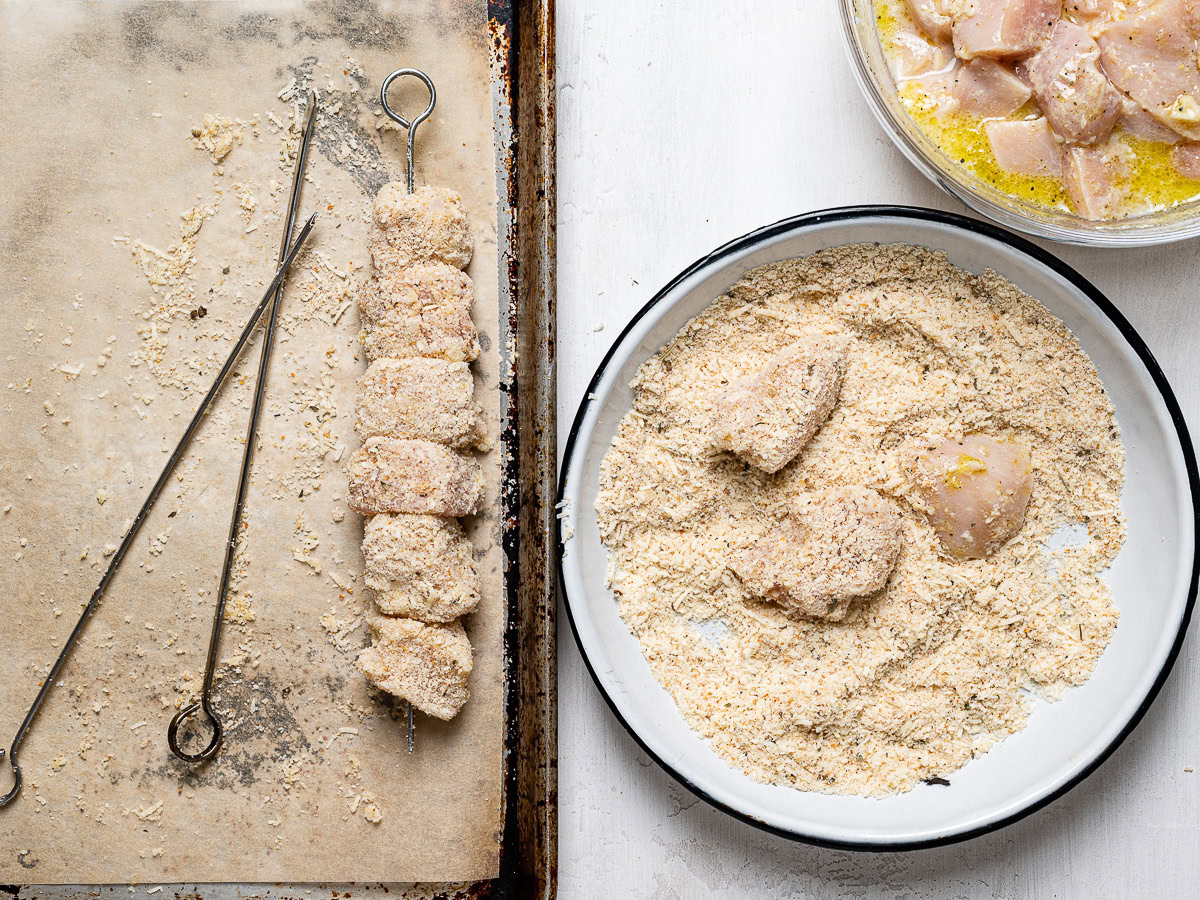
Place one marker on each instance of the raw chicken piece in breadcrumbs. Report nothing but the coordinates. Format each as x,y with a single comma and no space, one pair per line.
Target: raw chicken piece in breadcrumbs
419,399
392,475
767,418
428,225
427,665
974,491
420,567
838,545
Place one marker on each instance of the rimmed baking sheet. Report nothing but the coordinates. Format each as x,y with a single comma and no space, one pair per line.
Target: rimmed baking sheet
94,250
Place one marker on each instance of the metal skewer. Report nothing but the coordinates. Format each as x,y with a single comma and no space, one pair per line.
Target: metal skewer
411,127
400,120
127,541
214,641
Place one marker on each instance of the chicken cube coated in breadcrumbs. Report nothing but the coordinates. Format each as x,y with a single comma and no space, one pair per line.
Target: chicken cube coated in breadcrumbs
427,665
393,475
428,225
420,567
424,310
419,399
407,335
421,285
837,545
767,418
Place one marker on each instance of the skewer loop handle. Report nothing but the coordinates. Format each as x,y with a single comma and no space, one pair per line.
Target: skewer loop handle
396,117
16,788
182,716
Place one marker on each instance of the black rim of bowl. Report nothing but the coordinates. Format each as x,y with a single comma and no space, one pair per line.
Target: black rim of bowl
1102,303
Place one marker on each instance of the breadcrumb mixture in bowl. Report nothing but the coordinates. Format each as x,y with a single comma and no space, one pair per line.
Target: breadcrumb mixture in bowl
927,673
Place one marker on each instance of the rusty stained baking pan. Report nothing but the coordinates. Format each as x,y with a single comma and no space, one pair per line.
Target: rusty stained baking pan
523,96
522,33
522,66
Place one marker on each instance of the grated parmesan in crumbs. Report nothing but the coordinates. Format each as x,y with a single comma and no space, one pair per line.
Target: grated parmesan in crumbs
217,135
932,671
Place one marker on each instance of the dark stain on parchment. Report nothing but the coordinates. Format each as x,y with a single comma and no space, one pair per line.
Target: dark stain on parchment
181,33
27,859
253,27
358,22
337,131
168,31
31,220
459,17
261,729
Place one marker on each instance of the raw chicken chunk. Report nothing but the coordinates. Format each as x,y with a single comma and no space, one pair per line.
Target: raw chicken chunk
1186,159
390,475
1094,15
1151,55
974,492
985,87
913,56
1141,124
1026,147
427,665
420,399
840,544
931,17
428,225
938,89
421,311
1074,95
420,567
1004,29
1095,179
767,418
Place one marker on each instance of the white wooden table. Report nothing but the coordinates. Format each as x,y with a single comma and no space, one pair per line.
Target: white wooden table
682,125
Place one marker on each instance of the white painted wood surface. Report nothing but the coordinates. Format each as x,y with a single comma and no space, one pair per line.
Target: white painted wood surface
682,125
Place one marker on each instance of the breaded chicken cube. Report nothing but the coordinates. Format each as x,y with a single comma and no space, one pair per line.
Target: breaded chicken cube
421,311
420,567
403,336
428,225
393,475
766,418
835,546
422,285
427,665
419,399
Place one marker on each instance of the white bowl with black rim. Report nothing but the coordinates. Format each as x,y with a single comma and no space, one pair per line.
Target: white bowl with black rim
1153,578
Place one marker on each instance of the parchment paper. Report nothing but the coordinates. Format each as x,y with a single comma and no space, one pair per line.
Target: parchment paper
116,314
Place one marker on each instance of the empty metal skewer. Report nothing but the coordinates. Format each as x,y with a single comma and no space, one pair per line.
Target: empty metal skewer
214,641
127,541
411,127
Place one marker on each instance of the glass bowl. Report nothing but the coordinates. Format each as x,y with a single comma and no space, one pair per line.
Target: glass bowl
874,77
